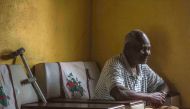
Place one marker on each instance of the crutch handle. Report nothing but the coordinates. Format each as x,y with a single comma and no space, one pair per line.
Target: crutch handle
18,52
14,54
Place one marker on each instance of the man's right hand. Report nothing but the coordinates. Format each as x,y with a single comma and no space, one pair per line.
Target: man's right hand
156,99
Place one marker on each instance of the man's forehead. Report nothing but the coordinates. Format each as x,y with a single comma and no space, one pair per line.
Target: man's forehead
144,40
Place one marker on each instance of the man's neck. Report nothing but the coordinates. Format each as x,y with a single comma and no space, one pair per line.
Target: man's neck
131,63
133,66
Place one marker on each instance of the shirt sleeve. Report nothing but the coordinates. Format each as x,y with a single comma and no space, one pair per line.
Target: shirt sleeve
153,79
113,77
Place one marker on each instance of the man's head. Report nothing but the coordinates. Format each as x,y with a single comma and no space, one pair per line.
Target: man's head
137,47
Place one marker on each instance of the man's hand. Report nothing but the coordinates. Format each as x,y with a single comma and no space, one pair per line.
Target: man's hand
156,99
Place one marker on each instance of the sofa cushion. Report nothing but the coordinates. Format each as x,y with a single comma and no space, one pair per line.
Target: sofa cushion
93,74
25,93
48,78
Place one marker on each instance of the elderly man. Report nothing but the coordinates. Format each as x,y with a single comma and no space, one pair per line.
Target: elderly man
128,77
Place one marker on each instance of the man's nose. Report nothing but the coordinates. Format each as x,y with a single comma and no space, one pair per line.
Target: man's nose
147,53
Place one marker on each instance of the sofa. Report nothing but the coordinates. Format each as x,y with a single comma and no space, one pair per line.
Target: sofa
66,85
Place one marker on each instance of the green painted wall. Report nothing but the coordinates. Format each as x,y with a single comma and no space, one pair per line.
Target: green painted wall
167,24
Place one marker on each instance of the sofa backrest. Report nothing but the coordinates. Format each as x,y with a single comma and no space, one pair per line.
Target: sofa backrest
14,93
73,80
53,79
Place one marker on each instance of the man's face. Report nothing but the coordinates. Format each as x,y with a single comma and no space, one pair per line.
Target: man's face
140,50
141,53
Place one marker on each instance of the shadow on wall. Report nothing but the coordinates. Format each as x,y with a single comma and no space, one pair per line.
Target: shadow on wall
161,49
7,55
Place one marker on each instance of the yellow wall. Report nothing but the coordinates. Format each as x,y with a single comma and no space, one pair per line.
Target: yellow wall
166,22
49,30
60,30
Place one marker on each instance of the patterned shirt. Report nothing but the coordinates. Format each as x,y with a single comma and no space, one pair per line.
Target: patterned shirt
117,72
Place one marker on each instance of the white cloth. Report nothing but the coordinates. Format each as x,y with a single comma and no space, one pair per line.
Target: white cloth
74,80
7,89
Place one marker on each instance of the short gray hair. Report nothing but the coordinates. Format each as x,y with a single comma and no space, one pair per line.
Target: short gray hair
133,35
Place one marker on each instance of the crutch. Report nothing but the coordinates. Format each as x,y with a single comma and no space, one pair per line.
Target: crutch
31,79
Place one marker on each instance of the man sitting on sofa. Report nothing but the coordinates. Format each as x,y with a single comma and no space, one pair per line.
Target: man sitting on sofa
128,77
